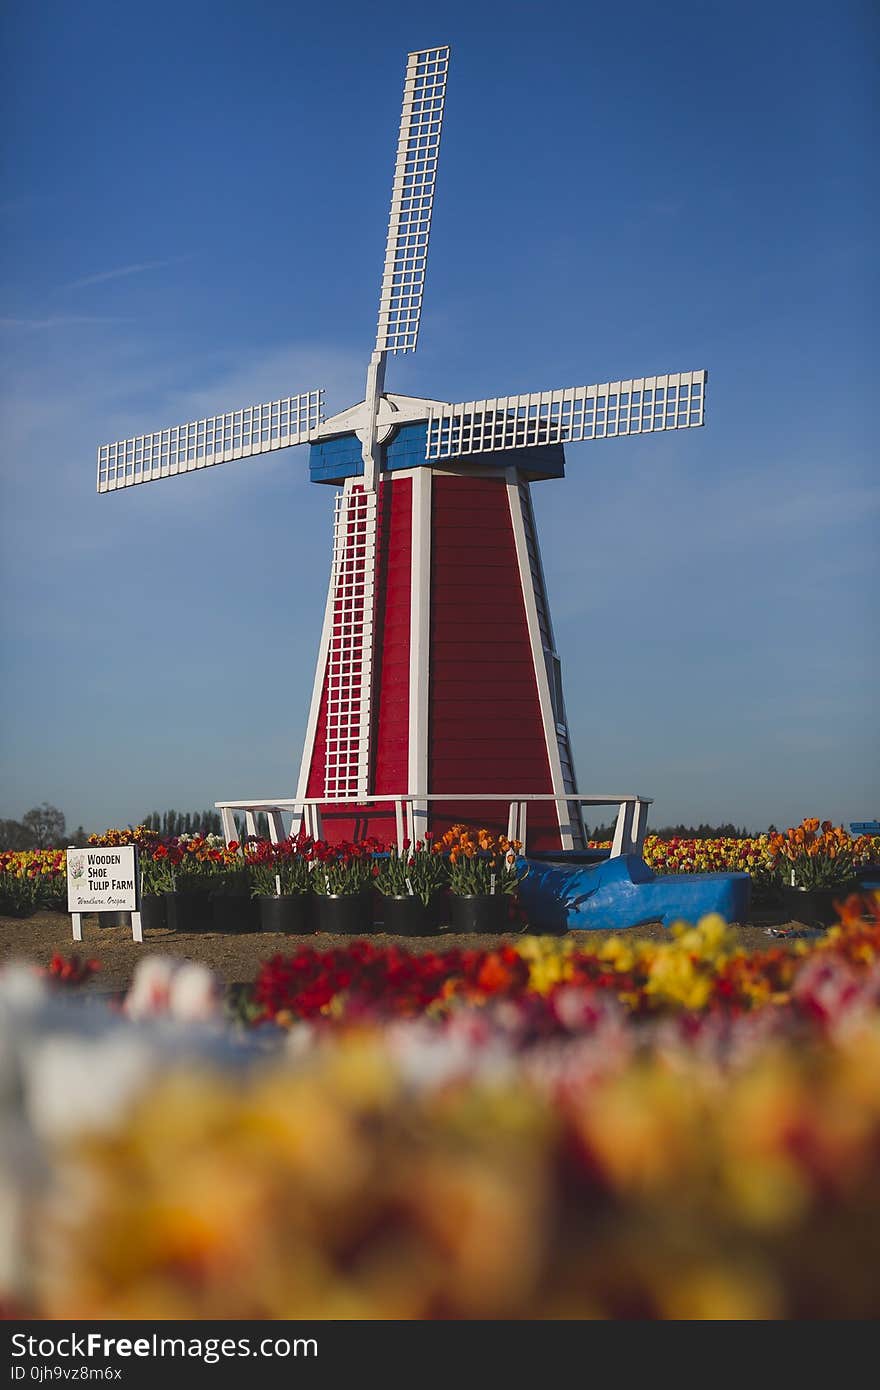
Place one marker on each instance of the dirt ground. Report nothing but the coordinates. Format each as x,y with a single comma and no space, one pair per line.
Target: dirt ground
237,957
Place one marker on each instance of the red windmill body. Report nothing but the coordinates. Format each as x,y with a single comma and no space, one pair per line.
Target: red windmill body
437,671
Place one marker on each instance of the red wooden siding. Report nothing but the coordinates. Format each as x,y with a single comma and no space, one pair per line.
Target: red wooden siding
486,729
391,669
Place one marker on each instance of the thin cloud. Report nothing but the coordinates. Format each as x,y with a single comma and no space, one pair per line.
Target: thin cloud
59,321
120,272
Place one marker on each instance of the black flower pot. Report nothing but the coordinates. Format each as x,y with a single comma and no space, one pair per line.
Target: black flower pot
114,919
153,913
409,916
234,913
345,914
289,913
815,906
188,912
479,912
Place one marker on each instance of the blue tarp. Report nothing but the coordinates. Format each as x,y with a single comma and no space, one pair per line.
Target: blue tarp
625,892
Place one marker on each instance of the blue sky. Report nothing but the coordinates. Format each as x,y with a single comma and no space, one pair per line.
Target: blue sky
193,218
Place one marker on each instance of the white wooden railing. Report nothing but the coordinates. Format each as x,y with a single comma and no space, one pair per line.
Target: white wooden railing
411,814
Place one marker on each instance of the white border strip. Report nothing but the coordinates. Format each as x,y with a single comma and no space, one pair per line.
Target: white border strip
526,584
420,637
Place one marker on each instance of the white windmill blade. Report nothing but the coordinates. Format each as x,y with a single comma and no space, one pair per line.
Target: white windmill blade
412,199
238,434
641,405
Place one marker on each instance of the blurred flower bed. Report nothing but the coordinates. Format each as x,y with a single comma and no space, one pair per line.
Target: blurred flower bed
697,968
654,1130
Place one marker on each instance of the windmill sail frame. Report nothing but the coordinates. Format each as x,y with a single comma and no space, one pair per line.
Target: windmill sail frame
640,405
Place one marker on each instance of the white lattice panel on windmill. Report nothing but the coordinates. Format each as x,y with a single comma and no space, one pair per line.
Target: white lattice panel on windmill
256,429
349,659
412,199
641,405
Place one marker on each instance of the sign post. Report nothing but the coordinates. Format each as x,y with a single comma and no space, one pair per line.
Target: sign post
104,880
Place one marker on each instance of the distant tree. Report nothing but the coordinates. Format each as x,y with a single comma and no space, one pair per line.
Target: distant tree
47,826
601,832
80,836
14,835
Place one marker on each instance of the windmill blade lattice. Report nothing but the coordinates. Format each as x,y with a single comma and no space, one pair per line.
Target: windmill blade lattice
640,405
255,429
412,200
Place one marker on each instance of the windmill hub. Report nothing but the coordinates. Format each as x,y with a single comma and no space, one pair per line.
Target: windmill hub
392,412
438,678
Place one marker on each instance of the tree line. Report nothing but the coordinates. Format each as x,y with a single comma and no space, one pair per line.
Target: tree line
171,823
687,832
45,827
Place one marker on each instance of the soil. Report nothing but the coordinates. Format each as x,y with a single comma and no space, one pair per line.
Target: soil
237,957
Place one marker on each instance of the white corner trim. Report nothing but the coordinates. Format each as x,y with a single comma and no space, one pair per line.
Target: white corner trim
419,631
540,667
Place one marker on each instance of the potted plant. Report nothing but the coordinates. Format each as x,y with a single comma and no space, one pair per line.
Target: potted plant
818,865
156,881
195,862
280,881
483,878
233,909
342,879
411,884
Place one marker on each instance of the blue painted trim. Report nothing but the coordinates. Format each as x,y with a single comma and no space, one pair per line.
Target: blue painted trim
334,460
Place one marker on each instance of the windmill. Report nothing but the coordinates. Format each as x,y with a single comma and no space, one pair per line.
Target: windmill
437,670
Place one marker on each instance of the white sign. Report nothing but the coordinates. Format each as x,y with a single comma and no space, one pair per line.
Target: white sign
102,879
